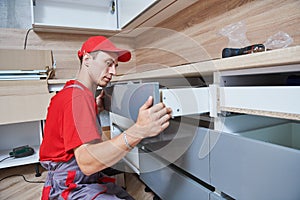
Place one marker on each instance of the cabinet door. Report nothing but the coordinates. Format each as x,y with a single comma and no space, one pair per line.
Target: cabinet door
89,14
130,9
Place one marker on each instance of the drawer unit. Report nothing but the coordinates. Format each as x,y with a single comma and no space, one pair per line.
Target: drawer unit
183,142
270,100
126,99
167,182
243,158
270,91
257,164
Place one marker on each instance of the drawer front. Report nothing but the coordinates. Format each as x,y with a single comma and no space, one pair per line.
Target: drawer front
127,99
250,169
169,183
214,196
184,144
196,159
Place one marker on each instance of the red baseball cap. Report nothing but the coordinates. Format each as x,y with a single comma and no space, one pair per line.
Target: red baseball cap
101,43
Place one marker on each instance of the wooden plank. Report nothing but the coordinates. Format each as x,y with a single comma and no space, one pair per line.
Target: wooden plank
157,13
23,87
269,18
18,59
64,47
199,23
24,108
263,59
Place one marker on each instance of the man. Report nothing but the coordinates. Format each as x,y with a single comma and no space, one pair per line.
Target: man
72,149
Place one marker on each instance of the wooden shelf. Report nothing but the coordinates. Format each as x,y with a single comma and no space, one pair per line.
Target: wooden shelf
11,162
272,58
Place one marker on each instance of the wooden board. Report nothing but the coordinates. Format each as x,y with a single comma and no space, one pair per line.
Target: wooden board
64,47
263,59
193,34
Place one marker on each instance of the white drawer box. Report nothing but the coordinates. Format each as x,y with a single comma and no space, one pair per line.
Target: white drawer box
282,101
126,99
186,101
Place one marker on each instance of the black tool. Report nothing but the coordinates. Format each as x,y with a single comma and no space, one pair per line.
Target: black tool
229,52
22,151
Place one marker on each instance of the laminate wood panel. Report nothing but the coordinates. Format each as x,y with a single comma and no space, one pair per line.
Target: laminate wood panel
287,56
193,34
64,47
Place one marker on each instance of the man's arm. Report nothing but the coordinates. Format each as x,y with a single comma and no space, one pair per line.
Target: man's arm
152,120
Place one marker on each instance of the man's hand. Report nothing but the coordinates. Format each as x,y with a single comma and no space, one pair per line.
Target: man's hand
151,120
99,101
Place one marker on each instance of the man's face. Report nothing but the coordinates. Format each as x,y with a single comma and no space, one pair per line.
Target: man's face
102,67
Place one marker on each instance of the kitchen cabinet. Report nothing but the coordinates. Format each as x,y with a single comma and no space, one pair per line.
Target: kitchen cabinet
249,147
20,134
91,14
128,10
108,16
24,98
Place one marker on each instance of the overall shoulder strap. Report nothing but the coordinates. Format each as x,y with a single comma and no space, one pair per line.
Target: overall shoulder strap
74,86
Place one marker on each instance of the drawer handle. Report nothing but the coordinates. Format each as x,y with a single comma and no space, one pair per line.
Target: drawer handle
113,7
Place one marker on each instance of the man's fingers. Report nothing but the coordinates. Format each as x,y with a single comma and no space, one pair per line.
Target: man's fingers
102,93
165,118
163,111
157,107
147,104
165,125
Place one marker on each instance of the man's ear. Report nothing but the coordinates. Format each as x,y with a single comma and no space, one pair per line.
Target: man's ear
86,59
86,56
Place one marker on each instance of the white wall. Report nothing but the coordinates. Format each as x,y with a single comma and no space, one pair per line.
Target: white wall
15,14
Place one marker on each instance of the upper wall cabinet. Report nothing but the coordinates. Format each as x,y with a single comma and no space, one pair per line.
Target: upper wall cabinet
90,14
108,15
131,9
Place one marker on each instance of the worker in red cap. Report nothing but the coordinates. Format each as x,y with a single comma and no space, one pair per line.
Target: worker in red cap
72,149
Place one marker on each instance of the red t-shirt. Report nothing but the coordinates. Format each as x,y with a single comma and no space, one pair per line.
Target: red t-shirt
71,121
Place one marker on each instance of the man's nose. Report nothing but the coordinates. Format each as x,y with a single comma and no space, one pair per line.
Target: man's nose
112,70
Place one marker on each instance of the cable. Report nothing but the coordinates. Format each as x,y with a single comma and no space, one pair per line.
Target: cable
5,158
23,178
25,41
